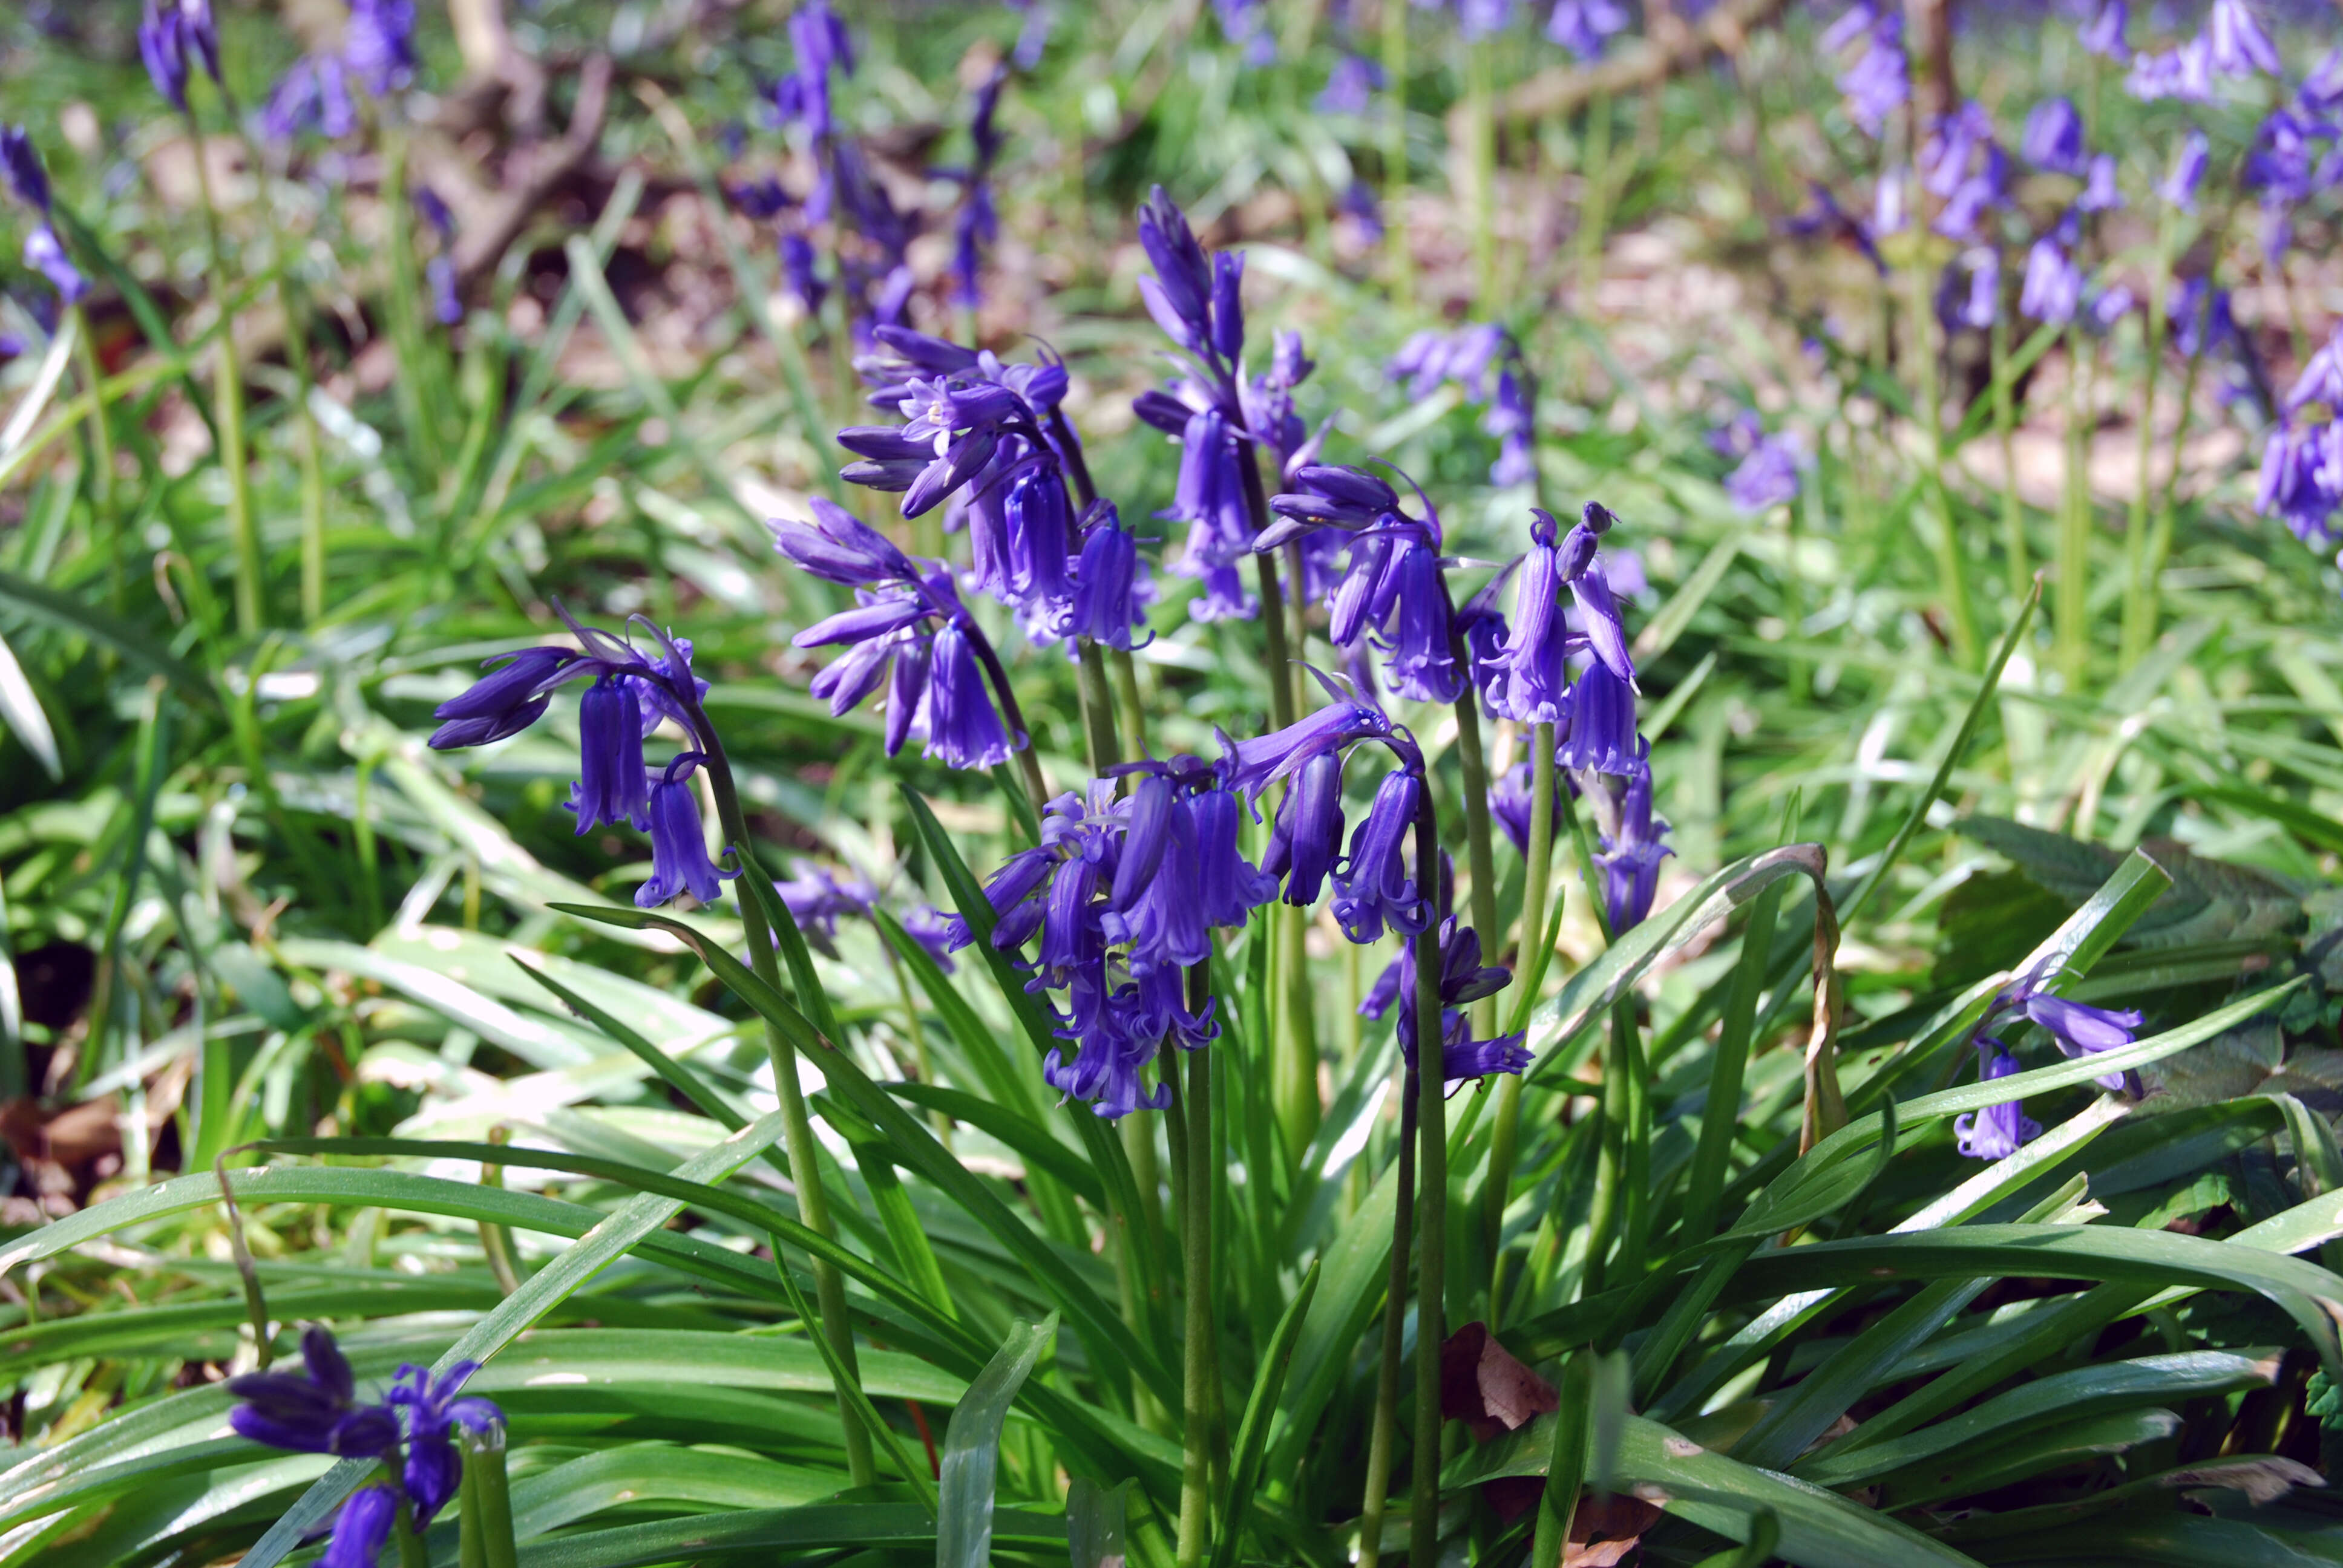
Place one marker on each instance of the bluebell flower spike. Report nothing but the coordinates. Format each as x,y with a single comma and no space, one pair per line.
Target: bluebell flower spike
679,860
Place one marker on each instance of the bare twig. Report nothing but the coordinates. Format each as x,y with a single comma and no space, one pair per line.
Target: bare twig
1671,50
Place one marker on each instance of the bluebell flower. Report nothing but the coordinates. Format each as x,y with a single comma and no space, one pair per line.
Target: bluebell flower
379,44
1306,836
1486,362
1632,844
2080,1030
317,1412
361,1529
679,862
1109,583
45,255
1245,24
1601,737
21,161
313,95
1464,980
1878,82
2179,186
1998,1131
435,1407
1179,293
800,273
2102,35
816,897
963,728
1767,474
2184,74
2053,288
934,930
2054,137
612,785
2238,46
1531,678
508,700
1373,888
1975,305
169,32
2198,318
2301,482
1351,86
2100,193
1034,35
1582,26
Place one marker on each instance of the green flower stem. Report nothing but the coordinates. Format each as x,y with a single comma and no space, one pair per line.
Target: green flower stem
1635,1137
486,1522
1952,570
228,399
1529,969
1130,714
2071,637
412,1553
1402,259
101,452
1197,1357
1385,1434
307,452
1602,1215
2160,539
1098,709
2136,632
2005,427
1432,1210
1480,858
797,1129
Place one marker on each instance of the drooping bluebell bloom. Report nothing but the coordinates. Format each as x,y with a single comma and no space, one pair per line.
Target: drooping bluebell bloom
379,44
1632,844
169,32
1251,766
2197,318
679,862
1306,836
1109,583
2301,482
1767,474
977,224
2179,186
1878,82
2054,284
21,161
800,273
1463,980
313,95
2184,74
1601,737
313,1413
435,1407
1245,24
2237,45
45,255
2100,193
1961,162
2102,35
1373,888
1532,679
612,785
1998,1131
1179,293
1975,305
2285,168
1582,26
963,726
2053,137
816,896
1350,86
362,1529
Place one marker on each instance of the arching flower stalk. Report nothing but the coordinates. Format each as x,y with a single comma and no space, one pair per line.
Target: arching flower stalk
630,692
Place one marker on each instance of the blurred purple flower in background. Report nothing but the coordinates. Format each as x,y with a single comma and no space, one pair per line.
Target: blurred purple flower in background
1582,26
2054,137
2179,186
1245,24
1351,86
2053,288
2102,35
1879,82
1767,474
2237,45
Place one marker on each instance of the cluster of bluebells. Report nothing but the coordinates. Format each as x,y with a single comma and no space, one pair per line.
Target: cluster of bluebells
1766,469
1220,415
628,695
1486,362
2302,457
1392,594
987,442
1522,671
2077,1029
1878,81
174,37
409,1432
871,237
377,54
20,161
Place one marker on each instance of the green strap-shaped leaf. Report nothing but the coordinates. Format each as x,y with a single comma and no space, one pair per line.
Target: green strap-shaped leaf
67,613
971,1454
1252,1430
918,1148
755,1534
